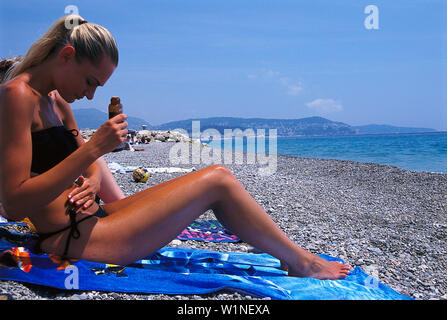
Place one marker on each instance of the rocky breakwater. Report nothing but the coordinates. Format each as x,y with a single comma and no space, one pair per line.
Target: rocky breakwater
161,136
146,136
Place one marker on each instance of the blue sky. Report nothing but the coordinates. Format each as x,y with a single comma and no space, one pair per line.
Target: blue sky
272,59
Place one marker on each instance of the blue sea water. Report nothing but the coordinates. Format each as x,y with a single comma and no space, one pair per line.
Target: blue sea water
415,152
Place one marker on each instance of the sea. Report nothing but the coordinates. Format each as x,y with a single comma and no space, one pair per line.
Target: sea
424,152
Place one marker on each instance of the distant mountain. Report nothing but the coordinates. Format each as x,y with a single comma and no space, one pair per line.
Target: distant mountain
91,118
312,126
384,129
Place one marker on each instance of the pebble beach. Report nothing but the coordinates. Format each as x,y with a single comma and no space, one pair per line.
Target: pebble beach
389,221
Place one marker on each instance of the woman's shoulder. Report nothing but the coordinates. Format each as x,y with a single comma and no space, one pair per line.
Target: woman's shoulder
18,90
17,97
60,102
63,109
14,85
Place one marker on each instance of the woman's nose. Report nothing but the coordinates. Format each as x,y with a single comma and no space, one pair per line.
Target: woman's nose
90,93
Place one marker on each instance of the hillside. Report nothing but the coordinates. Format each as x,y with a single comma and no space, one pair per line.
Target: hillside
93,118
312,126
383,129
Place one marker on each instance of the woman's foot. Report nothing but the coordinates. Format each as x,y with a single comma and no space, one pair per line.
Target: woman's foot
319,268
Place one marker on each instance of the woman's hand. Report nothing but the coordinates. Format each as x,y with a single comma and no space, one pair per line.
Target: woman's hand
110,135
83,196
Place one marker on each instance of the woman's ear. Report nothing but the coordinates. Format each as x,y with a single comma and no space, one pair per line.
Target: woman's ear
67,53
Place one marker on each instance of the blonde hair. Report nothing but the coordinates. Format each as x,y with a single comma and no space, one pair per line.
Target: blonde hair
91,41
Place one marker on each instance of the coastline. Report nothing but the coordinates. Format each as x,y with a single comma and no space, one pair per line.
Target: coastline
389,221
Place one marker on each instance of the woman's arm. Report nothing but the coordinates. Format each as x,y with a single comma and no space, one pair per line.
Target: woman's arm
91,185
109,190
16,114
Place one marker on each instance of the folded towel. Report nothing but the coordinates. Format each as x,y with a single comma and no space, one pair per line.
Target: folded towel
207,230
186,271
117,168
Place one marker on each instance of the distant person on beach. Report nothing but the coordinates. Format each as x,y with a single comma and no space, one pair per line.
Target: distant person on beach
36,138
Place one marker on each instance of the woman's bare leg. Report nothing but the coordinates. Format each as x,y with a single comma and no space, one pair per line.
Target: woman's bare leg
145,226
241,214
109,190
118,205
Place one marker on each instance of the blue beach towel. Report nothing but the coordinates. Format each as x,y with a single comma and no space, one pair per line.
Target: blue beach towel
184,271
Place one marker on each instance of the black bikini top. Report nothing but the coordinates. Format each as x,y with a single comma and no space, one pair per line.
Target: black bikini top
51,146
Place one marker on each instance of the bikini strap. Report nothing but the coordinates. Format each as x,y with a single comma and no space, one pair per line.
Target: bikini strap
74,231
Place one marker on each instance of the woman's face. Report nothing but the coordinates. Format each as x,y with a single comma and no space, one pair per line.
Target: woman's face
75,80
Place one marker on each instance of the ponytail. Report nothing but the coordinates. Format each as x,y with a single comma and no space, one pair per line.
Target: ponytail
90,41
6,65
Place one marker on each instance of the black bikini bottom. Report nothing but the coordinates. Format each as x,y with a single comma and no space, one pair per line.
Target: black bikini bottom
74,232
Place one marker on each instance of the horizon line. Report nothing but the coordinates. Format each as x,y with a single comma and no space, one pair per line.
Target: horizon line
250,118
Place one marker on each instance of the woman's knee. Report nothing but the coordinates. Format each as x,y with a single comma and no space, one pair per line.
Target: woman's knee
222,176
221,171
